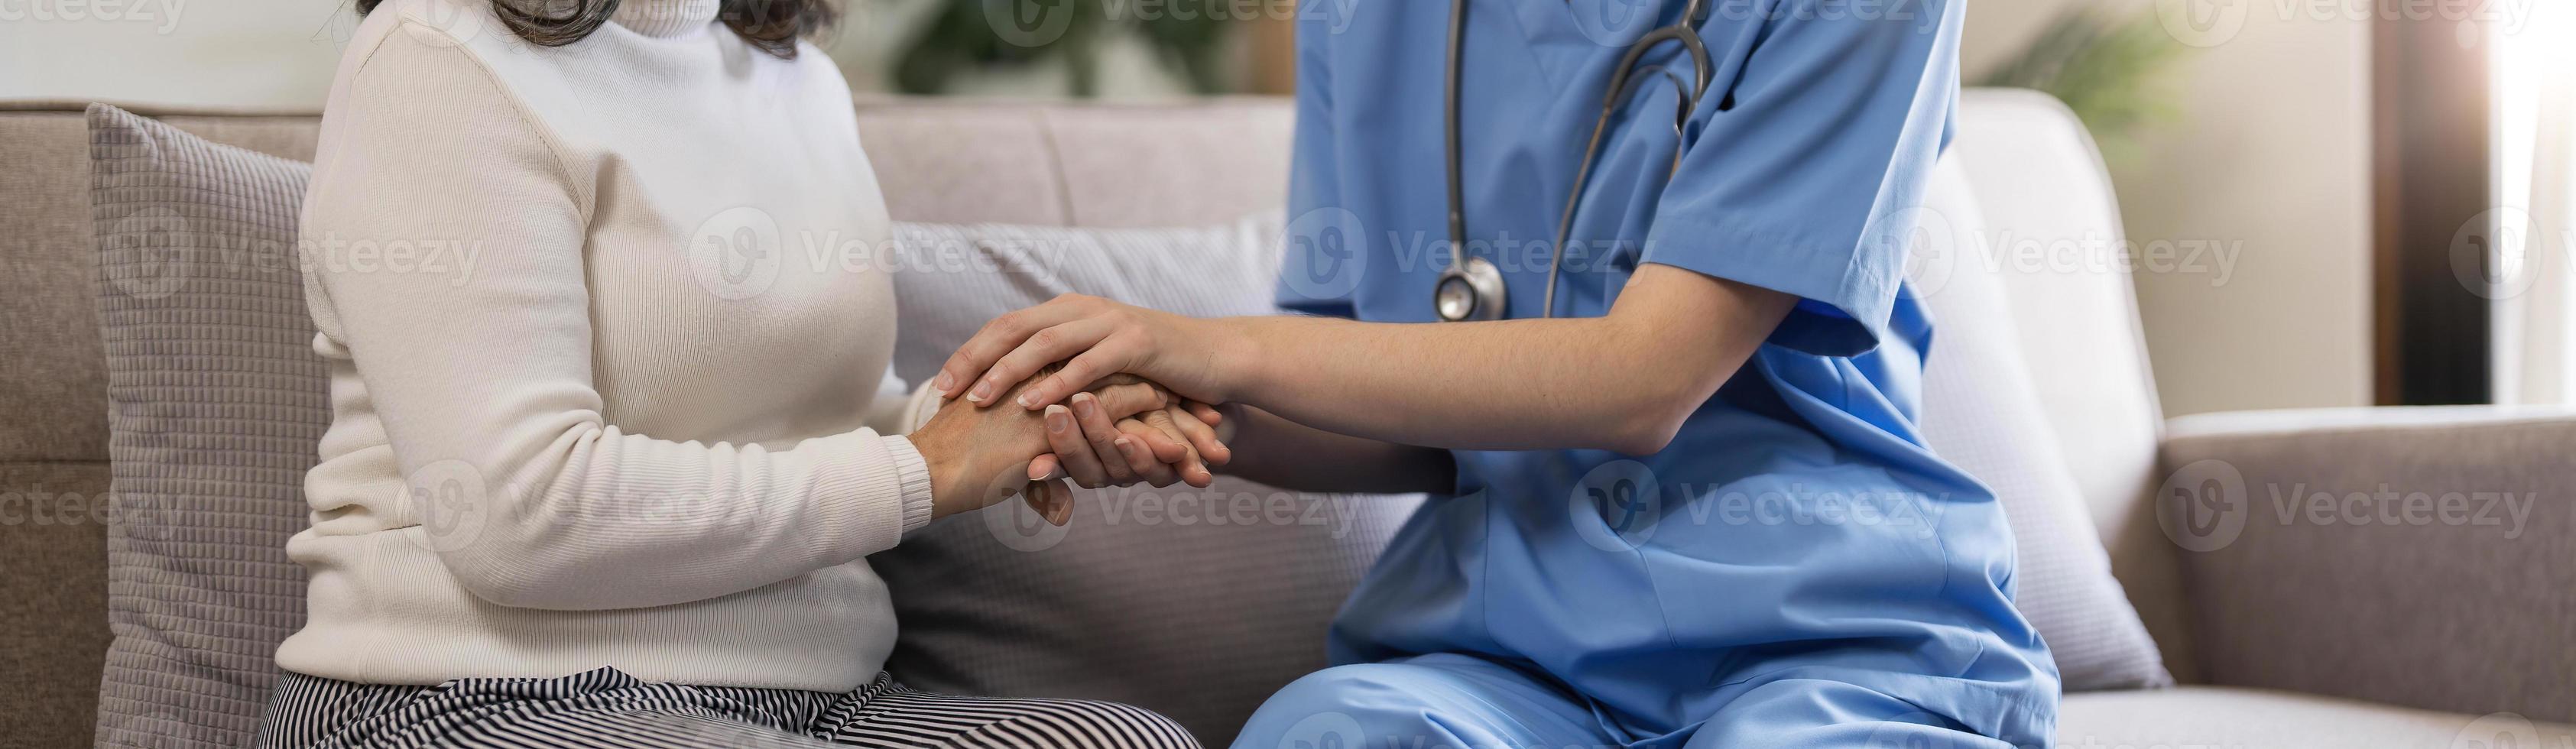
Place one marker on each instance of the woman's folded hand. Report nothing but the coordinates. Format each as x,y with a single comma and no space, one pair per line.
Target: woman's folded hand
1097,446
1121,431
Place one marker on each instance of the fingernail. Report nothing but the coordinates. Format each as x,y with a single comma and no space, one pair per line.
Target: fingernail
1028,400
982,391
1058,419
1126,447
1083,403
942,382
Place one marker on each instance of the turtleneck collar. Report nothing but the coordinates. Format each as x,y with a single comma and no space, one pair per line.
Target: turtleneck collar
664,17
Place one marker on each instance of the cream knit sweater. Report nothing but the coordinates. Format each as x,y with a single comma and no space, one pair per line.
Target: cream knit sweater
608,360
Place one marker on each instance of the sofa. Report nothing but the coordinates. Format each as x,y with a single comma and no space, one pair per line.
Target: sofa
2292,604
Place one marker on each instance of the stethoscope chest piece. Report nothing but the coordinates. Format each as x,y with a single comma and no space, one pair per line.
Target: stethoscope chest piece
1471,289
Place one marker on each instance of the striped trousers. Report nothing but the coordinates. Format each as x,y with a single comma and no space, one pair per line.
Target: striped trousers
608,708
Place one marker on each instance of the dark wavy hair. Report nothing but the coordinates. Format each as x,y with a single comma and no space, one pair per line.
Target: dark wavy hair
772,25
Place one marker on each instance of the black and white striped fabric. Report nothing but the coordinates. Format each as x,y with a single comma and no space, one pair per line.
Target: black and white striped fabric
608,708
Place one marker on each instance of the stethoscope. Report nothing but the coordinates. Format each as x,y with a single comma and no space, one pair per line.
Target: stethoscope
1472,287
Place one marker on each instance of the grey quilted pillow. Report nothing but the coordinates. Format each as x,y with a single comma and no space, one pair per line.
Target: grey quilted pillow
1197,603
215,400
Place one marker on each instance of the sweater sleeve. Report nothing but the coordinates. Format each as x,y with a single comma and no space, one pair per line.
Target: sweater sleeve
899,408
483,379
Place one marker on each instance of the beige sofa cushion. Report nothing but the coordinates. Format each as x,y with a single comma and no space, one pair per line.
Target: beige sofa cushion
1104,165
2233,718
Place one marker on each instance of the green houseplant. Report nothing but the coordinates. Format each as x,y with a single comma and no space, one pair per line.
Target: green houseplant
2111,69
963,35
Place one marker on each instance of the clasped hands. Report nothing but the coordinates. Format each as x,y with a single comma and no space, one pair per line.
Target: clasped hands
1120,431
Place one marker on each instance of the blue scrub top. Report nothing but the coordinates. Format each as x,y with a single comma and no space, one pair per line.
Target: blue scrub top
1797,524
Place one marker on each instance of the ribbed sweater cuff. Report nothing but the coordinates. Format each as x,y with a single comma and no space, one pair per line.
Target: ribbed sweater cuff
865,484
914,478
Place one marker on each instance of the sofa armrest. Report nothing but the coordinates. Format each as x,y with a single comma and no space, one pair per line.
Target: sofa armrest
2413,556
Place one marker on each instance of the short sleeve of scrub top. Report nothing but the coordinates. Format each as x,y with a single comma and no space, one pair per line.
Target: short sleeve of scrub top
1318,269
1824,126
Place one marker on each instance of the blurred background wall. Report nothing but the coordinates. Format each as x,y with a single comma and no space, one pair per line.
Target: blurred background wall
250,53
2266,155
2246,141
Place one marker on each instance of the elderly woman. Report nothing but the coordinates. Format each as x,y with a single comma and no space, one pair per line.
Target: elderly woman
617,485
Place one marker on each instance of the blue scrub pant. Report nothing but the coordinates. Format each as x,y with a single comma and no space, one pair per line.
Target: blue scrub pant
1468,702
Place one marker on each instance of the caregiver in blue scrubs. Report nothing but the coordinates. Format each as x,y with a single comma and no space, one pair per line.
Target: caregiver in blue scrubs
1688,506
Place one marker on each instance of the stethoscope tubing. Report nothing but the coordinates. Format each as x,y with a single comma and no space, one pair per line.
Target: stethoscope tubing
1703,67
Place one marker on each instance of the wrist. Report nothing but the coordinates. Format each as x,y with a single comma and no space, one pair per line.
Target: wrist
1238,367
948,471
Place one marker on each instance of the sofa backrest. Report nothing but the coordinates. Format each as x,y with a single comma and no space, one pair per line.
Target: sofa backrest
940,161
2041,187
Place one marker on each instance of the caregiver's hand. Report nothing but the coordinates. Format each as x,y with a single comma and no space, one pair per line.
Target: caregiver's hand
1623,381
978,457
1096,448
1095,338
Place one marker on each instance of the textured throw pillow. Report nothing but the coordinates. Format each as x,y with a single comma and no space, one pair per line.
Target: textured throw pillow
215,401
1197,603
1979,412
